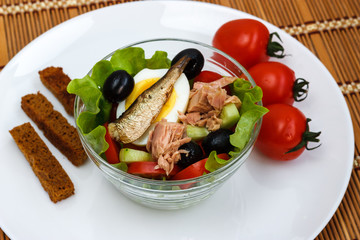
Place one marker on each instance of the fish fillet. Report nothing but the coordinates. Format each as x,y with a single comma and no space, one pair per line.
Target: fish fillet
137,118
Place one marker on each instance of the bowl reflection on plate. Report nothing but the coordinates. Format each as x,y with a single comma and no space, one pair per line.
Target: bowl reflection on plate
178,194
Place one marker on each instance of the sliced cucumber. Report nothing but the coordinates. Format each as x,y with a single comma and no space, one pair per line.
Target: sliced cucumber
196,133
128,155
230,115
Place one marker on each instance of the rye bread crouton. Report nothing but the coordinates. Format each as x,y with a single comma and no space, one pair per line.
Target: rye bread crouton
55,127
46,167
56,81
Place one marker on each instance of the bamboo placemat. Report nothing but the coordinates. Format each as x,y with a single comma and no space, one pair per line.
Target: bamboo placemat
329,28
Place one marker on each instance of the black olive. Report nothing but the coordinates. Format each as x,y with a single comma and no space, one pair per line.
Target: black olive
194,154
195,65
219,141
118,86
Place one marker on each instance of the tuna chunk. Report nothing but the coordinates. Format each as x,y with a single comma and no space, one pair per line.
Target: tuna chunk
233,99
190,118
206,102
217,97
164,142
213,121
222,82
198,101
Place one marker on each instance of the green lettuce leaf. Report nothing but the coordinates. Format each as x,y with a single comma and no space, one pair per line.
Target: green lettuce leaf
88,120
96,139
88,91
131,59
250,113
97,112
214,162
158,60
242,86
101,71
121,165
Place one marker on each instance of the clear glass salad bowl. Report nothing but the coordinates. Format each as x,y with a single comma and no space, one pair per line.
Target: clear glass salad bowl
175,194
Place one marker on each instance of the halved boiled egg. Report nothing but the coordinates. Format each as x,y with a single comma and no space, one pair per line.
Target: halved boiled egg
177,101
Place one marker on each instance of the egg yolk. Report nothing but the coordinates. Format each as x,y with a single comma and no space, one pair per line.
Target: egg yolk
140,87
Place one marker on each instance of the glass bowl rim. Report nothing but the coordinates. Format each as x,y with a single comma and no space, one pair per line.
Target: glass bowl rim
148,181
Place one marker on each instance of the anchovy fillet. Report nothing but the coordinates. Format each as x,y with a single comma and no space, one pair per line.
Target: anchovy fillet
132,124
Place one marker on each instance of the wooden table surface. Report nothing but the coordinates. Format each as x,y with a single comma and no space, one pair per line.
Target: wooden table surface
329,28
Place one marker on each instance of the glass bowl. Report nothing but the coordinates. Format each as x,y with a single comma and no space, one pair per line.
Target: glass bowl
177,194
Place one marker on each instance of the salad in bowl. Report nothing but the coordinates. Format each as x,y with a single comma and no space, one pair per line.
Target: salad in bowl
167,120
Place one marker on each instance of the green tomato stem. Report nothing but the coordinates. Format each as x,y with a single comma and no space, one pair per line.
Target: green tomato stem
275,49
306,138
300,89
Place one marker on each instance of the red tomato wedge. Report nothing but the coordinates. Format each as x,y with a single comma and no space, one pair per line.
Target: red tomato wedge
112,153
207,77
194,170
148,170
224,156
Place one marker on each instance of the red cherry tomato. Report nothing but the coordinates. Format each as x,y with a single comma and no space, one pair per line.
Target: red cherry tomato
112,153
284,133
194,170
224,156
278,83
248,41
208,77
148,170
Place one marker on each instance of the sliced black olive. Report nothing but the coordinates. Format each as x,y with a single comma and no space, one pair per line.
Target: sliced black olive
118,86
194,154
195,65
218,140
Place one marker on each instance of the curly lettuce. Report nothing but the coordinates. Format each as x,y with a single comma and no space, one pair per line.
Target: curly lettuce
241,86
89,89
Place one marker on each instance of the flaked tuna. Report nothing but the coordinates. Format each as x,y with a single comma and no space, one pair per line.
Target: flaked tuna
206,102
222,82
198,101
164,142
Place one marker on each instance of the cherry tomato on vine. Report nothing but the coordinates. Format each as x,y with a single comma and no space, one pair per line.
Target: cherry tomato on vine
278,83
284,133
248,41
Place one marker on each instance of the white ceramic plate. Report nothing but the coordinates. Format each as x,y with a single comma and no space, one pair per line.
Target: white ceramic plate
264,200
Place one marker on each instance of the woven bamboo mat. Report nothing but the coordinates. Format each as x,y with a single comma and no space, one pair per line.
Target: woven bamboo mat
329,28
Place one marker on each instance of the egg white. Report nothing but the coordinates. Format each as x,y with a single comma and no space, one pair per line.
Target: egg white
182,89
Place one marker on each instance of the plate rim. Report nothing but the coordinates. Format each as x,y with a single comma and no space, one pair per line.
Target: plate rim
14,59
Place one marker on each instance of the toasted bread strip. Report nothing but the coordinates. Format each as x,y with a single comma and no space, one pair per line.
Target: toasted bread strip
55,127
56,81
46,167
